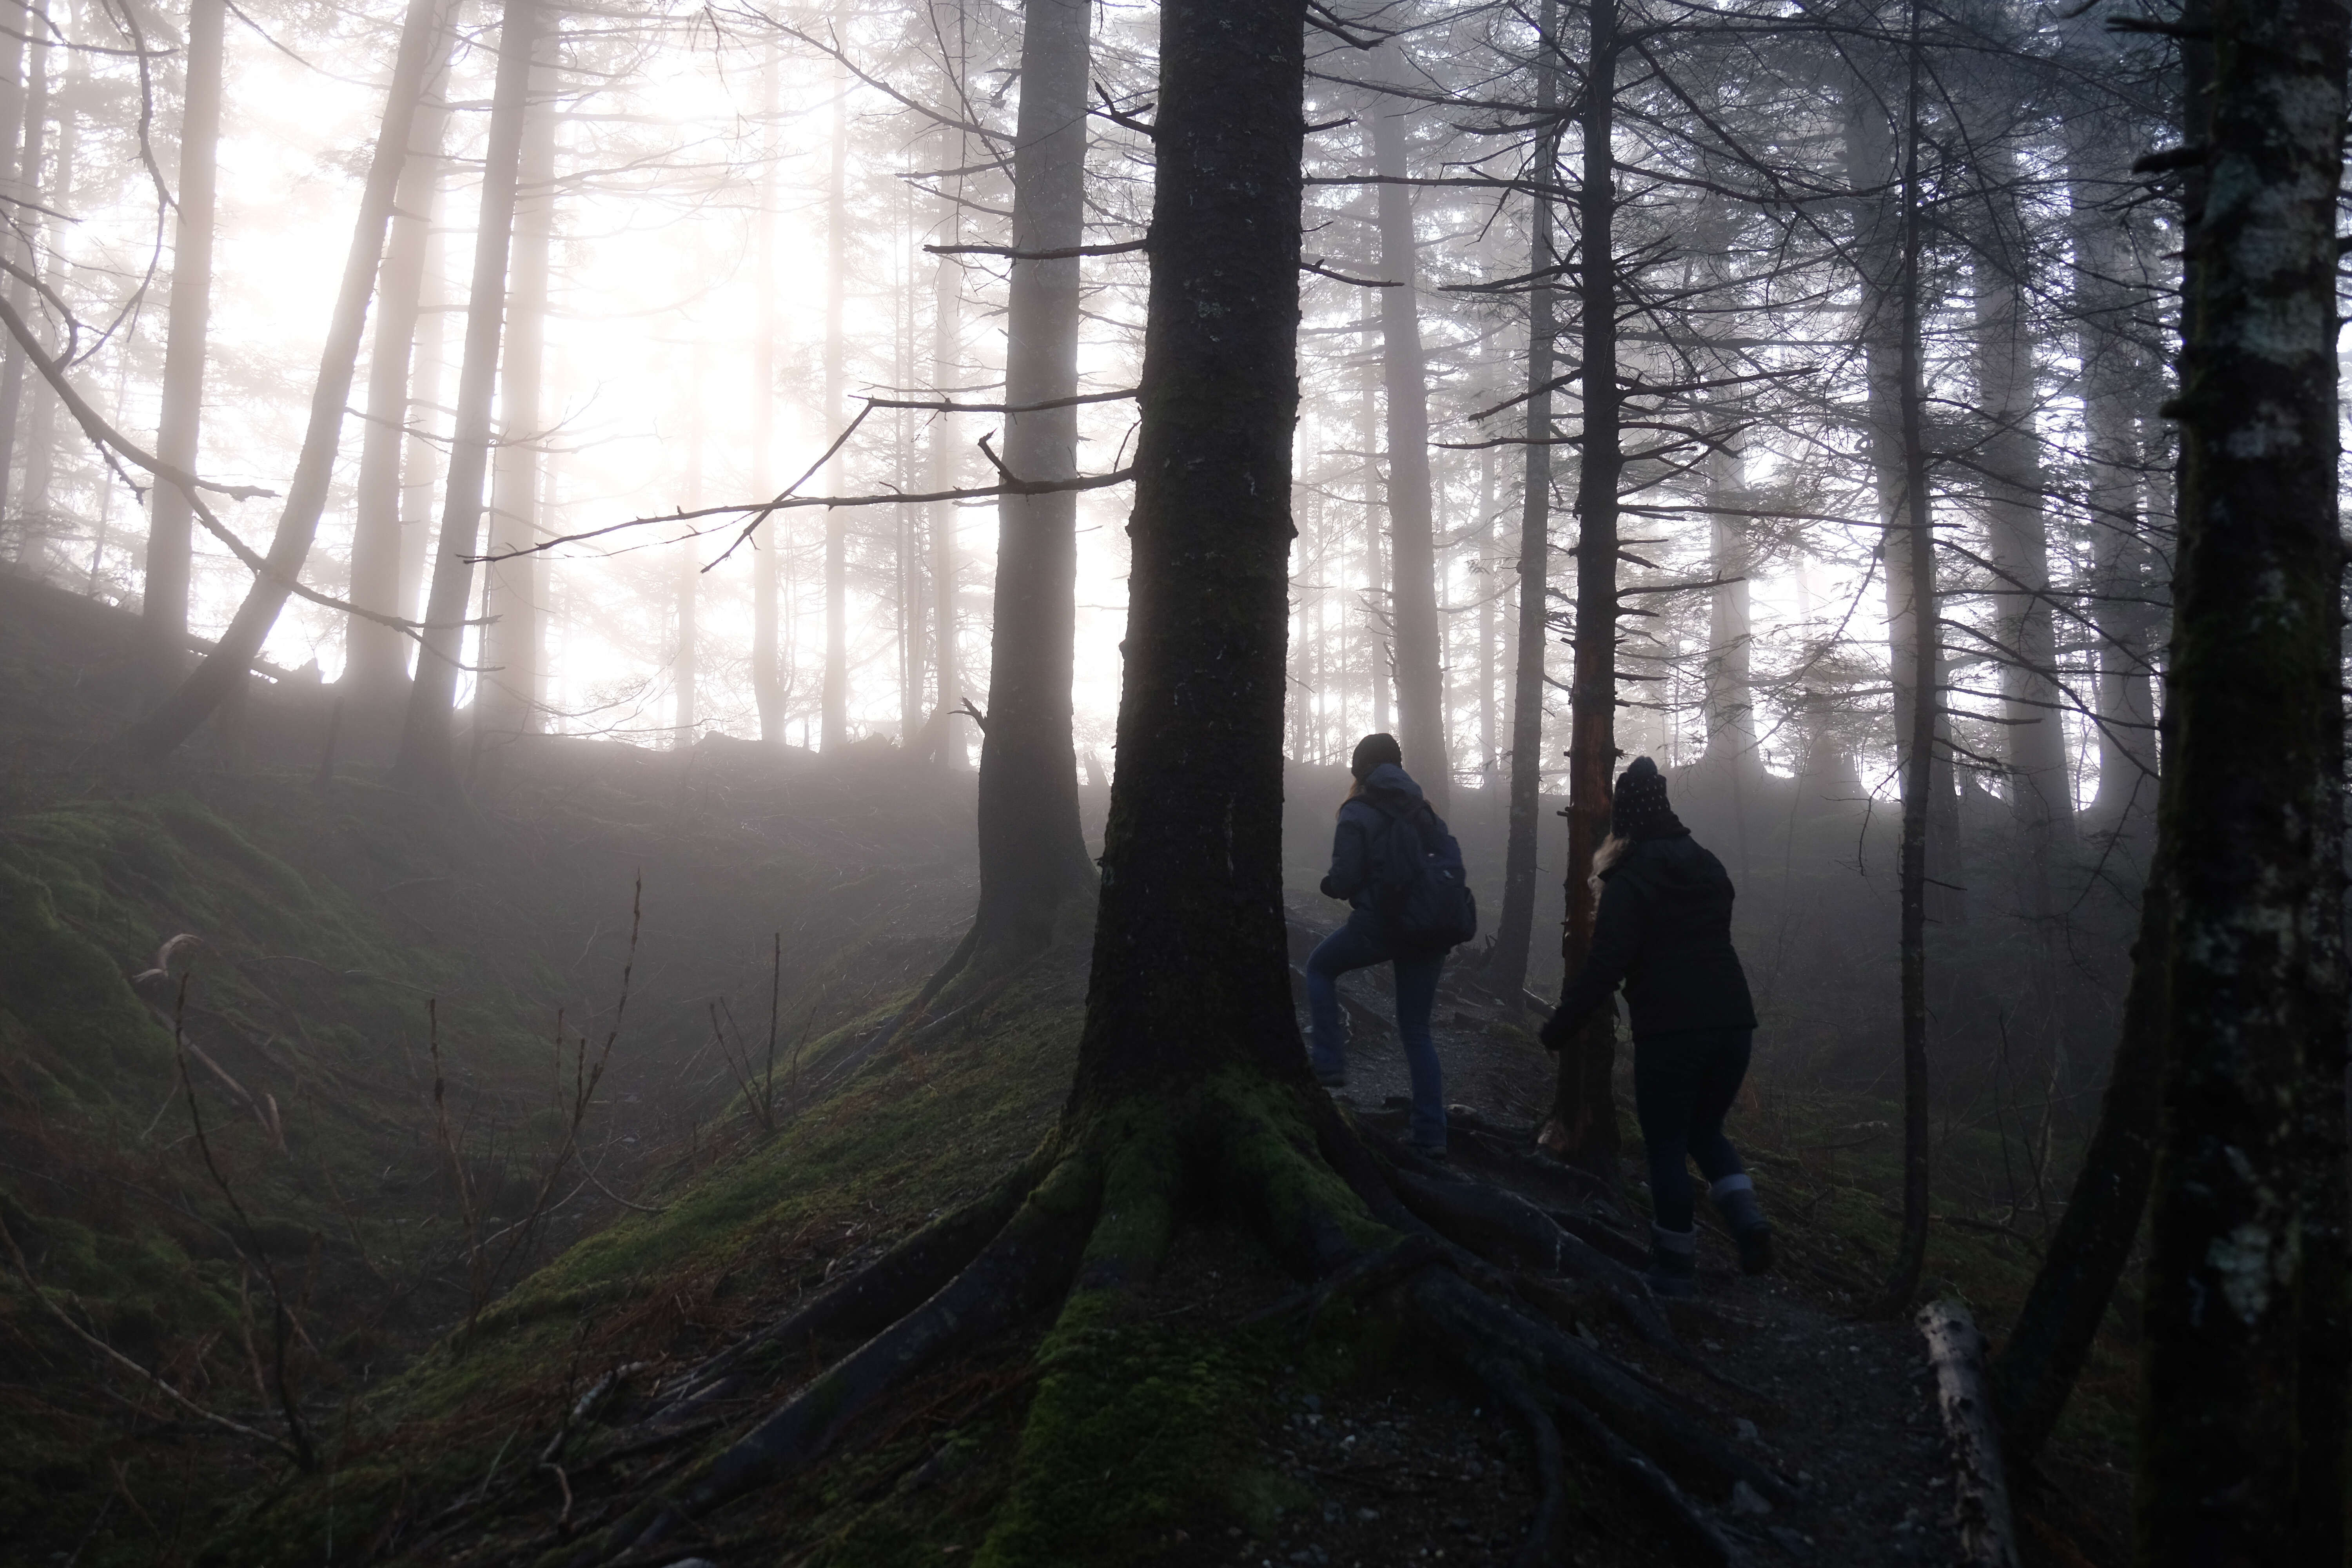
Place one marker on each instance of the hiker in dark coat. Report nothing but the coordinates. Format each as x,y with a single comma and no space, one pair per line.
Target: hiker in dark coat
1664,931
1384,798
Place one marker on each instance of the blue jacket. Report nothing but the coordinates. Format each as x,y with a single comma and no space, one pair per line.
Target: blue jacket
1664,930
1388,793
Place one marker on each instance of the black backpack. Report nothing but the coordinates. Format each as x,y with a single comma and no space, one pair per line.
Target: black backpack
1418,884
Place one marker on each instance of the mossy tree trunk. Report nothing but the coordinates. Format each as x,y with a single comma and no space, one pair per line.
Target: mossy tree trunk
2242,1455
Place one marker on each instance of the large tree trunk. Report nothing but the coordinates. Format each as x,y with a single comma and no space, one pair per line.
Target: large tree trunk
1584,1124
767,678
375,663
833,697
507,703
1420,694
228,666
1032,852
2242,1427
427,760
1514,930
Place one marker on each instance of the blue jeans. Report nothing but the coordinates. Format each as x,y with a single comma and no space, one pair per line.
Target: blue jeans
1360,944
1683,1084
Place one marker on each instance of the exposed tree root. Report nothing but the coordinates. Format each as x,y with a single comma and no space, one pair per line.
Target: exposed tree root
1087,1219
869,1299
1022,1269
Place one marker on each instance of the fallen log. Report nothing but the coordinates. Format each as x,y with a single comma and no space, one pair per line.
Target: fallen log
1981,1487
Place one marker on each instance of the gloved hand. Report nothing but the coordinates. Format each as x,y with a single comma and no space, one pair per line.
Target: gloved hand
1555,1034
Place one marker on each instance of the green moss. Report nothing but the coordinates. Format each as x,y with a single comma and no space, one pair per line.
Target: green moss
1130,1435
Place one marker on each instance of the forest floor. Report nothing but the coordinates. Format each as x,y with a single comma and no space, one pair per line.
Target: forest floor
492,1422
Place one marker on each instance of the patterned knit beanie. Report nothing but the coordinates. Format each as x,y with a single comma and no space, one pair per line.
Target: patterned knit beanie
1637,807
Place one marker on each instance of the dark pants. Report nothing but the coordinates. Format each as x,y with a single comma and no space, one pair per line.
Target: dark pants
1683,1084
1360,944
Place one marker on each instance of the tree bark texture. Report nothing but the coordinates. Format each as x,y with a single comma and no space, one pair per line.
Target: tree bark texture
1514,928
2241,1452
1583,1125
427,757
227,668
1196,825
1412,556
1031,852
508,700
375,657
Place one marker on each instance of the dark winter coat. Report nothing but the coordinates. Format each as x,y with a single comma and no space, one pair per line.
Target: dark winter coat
1664,930
1388,793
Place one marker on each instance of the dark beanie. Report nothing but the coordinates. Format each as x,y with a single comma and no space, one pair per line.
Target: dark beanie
1637,807
1372,751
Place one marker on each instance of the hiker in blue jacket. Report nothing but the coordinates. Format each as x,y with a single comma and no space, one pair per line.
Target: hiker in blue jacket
1383,799
1664,931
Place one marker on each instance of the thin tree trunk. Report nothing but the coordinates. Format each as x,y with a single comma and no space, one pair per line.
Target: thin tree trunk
767,679
507,700
226,668
1870,153
1584,1124
1918,763
41,423
376,657
1514,930
2123,568
164,610
1031,852
29,173
427,760
687,669
2242,1426
421,463
834,694
1421,695
947,303
2009,457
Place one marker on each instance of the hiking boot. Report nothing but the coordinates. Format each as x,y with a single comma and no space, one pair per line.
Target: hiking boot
1331,1077
1735,1200
1673,1263
1434,1152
